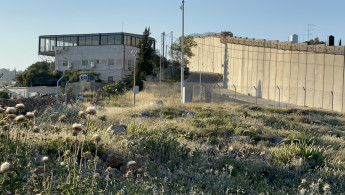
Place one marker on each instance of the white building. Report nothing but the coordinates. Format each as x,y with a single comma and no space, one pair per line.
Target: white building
104,56
294,38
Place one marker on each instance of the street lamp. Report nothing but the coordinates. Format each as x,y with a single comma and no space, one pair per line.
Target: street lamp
134,53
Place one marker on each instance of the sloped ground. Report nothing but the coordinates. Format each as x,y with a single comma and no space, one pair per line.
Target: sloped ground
177,149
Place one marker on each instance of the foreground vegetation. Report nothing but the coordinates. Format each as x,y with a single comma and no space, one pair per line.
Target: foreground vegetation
173,149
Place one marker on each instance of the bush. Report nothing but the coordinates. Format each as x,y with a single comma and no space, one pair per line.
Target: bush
4,95
300,149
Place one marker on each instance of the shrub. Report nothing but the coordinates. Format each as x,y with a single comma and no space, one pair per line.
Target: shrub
4,95
315,155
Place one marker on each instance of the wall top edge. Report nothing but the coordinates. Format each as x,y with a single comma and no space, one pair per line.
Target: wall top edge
283,45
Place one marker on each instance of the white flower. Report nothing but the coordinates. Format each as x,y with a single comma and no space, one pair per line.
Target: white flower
131,164
82,114
30,115
90,110
77,127
6,166
62,163
10,110
20,107
45,159
20,118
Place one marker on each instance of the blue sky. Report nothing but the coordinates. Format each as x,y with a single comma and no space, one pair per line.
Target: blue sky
22,21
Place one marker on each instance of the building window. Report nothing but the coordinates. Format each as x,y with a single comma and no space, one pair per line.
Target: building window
82,41
84,62
65,63
127,40
118,40
111,62
95,40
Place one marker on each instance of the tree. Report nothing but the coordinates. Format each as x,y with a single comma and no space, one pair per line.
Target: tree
315,41
145,60
39,73
189,43
4,95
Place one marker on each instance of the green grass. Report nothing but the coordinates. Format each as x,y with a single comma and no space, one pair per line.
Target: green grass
223,149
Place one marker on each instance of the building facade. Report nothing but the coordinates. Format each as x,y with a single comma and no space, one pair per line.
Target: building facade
103,56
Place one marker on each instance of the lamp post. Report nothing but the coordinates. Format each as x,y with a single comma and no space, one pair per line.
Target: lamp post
182,51
134,53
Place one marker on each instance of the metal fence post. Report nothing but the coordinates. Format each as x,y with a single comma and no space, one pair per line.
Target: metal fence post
235,90
256,95
66,88
305,96
57,90
278,95
332,99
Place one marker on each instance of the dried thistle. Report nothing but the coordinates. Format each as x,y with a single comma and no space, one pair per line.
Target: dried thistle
10,110
90,110
5,167
20,106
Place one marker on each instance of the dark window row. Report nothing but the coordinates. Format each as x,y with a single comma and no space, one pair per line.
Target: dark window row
48,44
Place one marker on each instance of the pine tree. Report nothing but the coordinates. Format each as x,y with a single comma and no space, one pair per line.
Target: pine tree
146,55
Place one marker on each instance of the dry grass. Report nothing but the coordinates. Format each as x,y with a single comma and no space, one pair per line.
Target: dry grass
221,149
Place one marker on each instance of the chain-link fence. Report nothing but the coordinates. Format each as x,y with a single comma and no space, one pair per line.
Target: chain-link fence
195,92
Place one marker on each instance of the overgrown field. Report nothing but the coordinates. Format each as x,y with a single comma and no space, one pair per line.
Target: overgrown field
172,149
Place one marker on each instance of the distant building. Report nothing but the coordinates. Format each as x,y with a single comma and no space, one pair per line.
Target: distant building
294,38
104,56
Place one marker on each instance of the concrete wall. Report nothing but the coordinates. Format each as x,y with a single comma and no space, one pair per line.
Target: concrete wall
31,91
100,55
305,74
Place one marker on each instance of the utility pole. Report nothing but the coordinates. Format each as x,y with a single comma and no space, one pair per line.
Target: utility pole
163,54
309,31
172,40
182,60
160,60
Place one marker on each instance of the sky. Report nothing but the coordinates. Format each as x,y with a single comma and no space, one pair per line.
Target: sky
22,21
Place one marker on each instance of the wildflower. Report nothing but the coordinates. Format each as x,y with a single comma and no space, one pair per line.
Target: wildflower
326,187
45,159
82,114
128,174
302,191
30,115
19,118
131,164
20,107
6,166
96,138
77,127
35,129
10,110
62,118
35,112
303,181
11,116
62,164
2,122
90,110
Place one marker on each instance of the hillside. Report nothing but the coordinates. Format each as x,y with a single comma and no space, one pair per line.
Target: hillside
173,149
